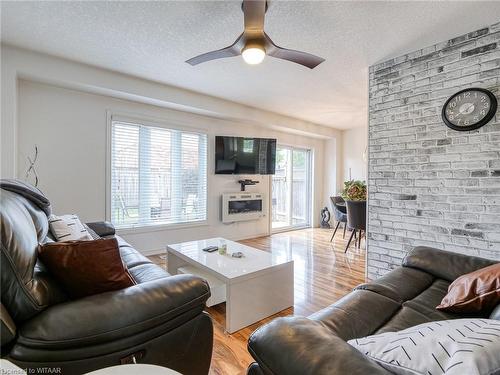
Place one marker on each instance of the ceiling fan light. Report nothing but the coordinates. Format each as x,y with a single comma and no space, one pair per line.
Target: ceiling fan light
253,55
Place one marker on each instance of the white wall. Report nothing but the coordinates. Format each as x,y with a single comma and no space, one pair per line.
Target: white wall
332,169
17,63
354,142
69,128
62,107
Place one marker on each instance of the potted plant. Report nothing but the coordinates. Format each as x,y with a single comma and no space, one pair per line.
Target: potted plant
354,190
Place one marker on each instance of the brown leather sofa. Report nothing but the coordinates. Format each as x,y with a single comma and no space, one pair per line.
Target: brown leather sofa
404,297
158,321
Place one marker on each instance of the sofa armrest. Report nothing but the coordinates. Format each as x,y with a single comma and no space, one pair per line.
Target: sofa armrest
443,264
296,345
102,228
114,315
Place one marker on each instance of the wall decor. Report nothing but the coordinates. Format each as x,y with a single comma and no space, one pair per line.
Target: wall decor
325,218
31,173
469,109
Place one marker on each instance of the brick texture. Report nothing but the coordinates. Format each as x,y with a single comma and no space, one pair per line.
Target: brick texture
428,184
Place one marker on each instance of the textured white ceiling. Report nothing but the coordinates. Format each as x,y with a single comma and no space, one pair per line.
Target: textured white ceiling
153,39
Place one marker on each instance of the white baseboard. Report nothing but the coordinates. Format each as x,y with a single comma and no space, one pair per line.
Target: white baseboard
250,237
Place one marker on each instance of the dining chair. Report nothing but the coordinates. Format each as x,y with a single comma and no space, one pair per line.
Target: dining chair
356,219
339,213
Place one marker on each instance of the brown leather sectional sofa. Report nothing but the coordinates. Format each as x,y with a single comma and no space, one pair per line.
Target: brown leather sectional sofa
158,321
404,297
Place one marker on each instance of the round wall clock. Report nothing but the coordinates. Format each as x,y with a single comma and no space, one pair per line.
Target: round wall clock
469,109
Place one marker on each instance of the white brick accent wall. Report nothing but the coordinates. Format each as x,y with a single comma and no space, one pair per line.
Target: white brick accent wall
428,184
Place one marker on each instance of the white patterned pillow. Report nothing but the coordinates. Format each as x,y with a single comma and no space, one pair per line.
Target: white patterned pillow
451,347
68,228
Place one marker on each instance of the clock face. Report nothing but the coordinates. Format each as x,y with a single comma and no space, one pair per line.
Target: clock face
469,109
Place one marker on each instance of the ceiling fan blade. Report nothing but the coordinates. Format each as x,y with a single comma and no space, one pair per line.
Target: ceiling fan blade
231,51
254,11
298,57
213,55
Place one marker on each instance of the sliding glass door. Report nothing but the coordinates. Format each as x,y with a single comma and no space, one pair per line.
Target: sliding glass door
291,189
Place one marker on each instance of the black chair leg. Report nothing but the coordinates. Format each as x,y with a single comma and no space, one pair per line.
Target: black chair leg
345,226
350,239
335,231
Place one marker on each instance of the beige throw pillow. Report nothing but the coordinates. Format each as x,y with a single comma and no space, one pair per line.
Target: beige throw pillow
68,228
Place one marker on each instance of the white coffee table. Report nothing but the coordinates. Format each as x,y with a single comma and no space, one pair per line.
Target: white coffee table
257,286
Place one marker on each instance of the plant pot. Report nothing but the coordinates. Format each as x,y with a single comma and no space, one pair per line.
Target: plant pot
356,214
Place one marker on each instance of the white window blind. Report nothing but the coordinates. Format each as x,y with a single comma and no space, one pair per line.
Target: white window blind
158,175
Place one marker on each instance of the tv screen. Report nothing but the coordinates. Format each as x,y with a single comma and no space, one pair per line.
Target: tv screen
238,155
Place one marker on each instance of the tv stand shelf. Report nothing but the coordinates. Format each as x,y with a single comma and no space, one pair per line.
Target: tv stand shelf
244,183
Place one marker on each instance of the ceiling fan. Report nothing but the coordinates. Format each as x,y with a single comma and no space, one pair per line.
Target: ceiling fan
254,44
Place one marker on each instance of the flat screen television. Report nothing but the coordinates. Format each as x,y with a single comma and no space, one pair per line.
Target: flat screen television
238,155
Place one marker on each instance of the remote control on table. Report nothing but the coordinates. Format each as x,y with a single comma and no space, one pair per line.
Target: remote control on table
210,249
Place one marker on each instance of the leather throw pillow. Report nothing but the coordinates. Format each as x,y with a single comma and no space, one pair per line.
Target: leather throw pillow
86,267
474,292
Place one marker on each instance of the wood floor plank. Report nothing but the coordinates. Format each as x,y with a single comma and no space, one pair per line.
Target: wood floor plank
323,274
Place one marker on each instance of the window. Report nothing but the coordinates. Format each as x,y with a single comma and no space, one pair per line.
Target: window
248,145
158,175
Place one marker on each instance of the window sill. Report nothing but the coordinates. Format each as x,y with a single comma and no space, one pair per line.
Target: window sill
160,227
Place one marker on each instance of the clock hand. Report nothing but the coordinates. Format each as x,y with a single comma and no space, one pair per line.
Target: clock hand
465,109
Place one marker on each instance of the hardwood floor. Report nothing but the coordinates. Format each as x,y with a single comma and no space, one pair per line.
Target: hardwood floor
323,274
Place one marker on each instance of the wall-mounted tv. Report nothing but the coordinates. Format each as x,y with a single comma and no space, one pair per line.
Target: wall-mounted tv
239,155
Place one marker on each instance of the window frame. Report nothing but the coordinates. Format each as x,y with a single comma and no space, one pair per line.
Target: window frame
158,123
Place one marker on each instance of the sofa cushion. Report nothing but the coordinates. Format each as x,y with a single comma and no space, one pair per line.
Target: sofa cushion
401,284
141,268
427,301
359,313
430,297
432,314
419,309
144,273
444,264
404,318
417,294
130,256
